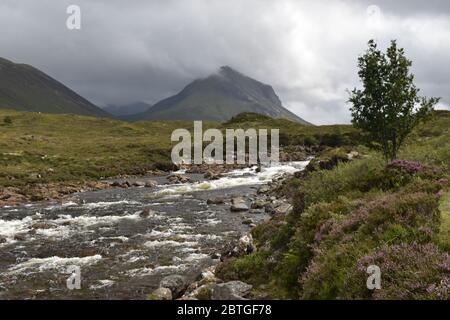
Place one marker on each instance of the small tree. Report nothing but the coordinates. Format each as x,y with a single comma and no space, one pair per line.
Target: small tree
388,107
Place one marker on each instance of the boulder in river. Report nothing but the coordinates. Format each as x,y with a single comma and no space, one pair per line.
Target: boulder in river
178,178
211,175
239,207
175,283
238,204
151,183
138,184
258,204
218,200
146,213
41,225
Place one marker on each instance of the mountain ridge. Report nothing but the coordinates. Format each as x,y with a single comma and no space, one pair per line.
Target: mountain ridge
26,88
219,97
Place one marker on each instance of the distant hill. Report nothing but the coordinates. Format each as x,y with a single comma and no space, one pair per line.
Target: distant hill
219,97
25,88
127,109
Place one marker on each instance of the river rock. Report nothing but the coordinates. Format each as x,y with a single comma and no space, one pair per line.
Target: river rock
238,204
178,178
19,237
161,294
151,183
247,221
211,175
232,290
175,283
218,200
138,184
258,204
146,213
116,184
239,207
263,189
41,225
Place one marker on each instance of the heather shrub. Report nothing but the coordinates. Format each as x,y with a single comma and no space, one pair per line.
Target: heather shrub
342,240
352,179
408,271
312,223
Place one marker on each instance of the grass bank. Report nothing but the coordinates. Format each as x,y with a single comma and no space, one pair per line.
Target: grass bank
355,214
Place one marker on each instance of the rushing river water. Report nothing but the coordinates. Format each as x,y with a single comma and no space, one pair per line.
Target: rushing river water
122,255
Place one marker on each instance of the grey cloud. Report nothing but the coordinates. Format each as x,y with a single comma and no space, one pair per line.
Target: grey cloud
148,50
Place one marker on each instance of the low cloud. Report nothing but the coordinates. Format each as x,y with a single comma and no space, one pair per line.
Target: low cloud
148,50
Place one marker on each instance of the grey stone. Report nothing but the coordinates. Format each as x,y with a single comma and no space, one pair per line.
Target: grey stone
233,290
175,283
162,294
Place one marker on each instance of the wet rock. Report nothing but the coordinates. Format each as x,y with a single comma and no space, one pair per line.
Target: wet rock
138,184
41,225
247,221
269,208
218,200
263,189
178,178
161,294
175,283
238,204
88,252
151,183
211,175
258,204
19,237
2,240
116,184
239,207
232,290
146,213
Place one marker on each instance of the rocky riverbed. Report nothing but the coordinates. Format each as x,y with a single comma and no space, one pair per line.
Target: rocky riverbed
133,236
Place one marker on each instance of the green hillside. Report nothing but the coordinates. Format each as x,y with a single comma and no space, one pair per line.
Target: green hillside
25,88
220,97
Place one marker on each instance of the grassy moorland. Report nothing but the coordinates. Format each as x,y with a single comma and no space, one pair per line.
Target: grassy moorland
356,214
41,148
38,147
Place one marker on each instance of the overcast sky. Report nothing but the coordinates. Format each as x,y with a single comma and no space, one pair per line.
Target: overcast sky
146,50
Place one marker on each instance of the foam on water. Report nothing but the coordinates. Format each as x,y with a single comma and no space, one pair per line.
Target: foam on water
41,264
241,177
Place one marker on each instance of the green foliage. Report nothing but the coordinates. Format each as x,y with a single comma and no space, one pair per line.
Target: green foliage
386,107
395,216
7,120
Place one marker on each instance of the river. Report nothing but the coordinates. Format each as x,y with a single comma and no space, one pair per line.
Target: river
122,255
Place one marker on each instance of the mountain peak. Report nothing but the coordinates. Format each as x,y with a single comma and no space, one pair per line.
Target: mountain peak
219,97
